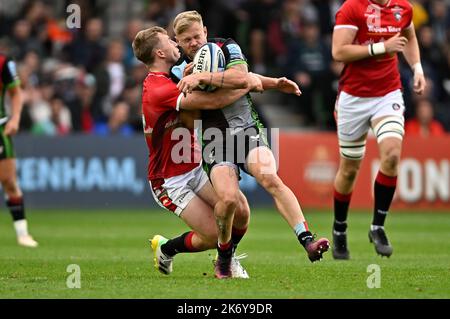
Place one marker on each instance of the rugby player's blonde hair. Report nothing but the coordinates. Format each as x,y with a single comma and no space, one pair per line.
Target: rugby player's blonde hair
185,19
145,42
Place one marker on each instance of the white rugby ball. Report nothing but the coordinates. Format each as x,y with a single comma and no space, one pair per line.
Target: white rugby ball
209,58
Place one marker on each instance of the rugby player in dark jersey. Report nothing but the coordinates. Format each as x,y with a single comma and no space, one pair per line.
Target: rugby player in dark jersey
9,125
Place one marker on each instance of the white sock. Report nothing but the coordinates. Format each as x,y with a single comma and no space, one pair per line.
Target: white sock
375,227
21,227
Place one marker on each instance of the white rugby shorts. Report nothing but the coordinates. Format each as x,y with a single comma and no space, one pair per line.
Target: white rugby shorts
354,114
175,193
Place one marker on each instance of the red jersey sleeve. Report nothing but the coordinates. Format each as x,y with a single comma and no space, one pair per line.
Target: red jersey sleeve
346,17
409,14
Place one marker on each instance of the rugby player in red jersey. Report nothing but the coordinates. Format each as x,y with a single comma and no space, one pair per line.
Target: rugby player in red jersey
367,37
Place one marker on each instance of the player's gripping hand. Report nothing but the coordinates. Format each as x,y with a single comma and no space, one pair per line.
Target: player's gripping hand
395,44
287,86
188,69
188,83
12,126
419,81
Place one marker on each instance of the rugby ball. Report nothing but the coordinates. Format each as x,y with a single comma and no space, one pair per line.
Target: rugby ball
209,58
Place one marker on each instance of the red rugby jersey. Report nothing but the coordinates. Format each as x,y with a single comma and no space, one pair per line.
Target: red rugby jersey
378,75
160,115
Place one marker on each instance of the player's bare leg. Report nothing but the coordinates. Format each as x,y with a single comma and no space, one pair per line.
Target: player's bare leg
14,201
346,175
386,180
261,164
241,218
240,224
199,216
8,178
225,182
349,164
343,188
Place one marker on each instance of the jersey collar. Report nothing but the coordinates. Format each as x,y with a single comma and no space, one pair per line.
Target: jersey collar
159,73
380,5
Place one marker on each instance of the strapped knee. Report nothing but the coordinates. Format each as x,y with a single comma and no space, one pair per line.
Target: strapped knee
391,126
352,150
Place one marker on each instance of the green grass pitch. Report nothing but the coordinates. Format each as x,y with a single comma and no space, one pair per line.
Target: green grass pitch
114,257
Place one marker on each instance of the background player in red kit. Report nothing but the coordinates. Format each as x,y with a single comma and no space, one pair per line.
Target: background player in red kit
367,37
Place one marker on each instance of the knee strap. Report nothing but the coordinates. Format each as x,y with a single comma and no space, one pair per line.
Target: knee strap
352,150
391,126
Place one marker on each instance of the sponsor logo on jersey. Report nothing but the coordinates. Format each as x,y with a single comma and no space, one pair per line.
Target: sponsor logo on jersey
397,12
171,123
387,29
235,52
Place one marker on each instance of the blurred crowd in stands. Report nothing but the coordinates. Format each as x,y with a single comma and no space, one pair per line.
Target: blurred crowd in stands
87,80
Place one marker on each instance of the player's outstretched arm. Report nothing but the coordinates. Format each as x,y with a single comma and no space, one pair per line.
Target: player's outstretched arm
344,50
267,83
412,56
281,84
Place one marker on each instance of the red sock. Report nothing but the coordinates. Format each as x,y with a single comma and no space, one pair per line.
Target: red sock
225,250
237,234
384,190
341,204
188,242
16,207
180,244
